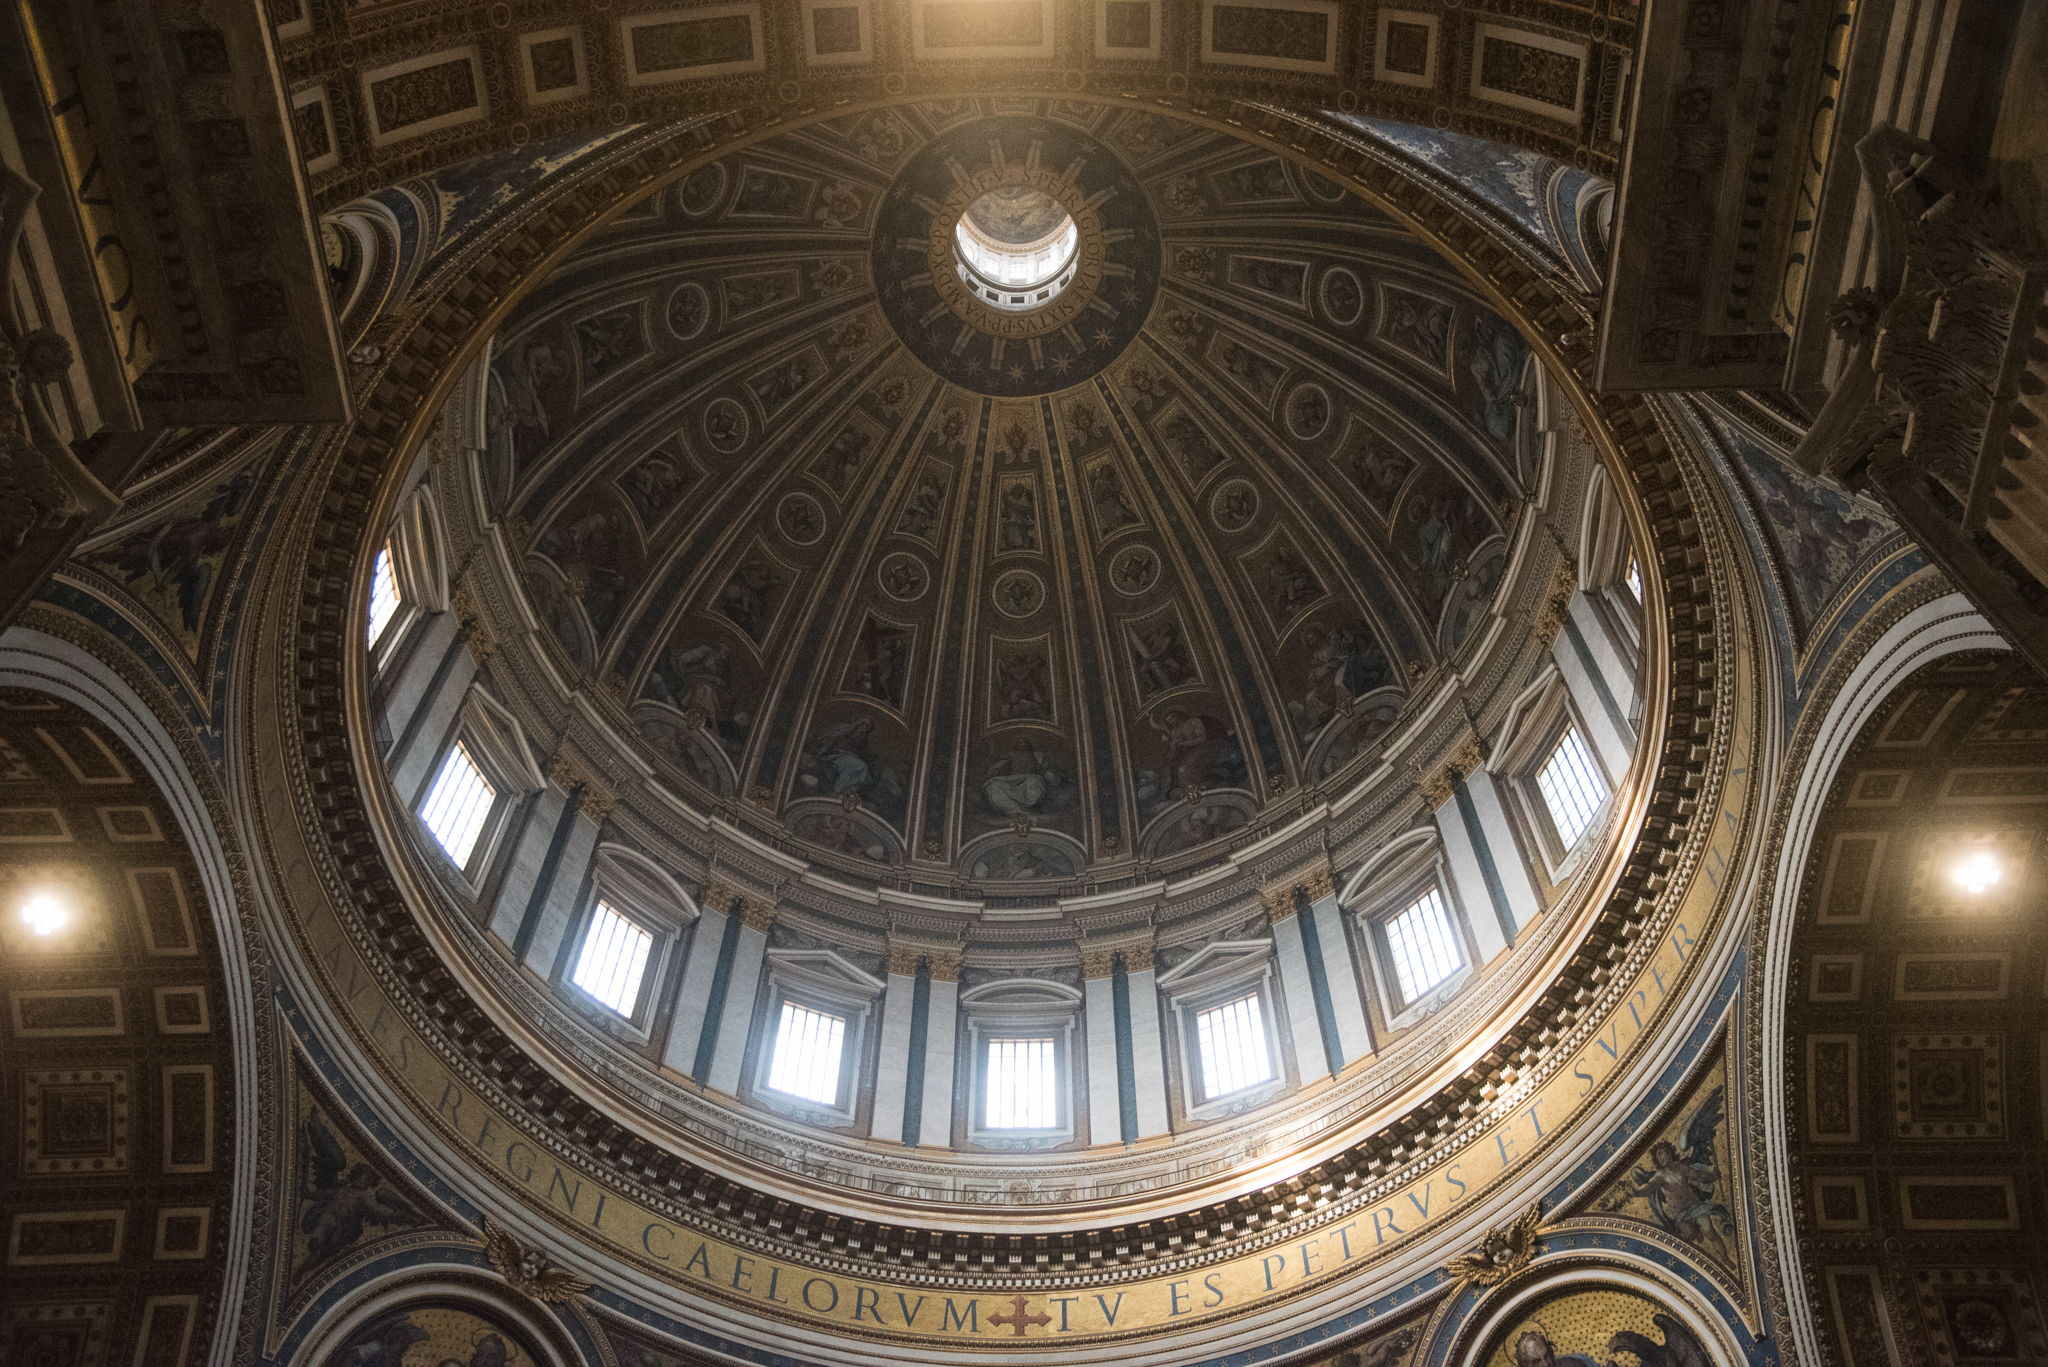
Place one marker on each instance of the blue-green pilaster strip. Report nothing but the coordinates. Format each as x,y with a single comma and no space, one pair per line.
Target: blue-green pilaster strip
1319,980
721,981
913,1070
1126,1051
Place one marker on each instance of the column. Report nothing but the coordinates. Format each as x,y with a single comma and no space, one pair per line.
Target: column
1611,664
401,695
1517,885
1099,1025
1148,1059
693,993
892,1071
1476,873
1297,993
743,981
553,903
1604,717
413,753
535,850
1340,977
935,1122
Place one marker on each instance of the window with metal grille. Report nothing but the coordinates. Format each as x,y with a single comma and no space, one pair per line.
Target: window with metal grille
1422,945
1022,1083
806,1061
1633,577
1232,1040
1571,786
614,957
384,600
458,804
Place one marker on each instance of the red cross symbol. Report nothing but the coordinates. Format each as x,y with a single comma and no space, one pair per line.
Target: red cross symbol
1017,1319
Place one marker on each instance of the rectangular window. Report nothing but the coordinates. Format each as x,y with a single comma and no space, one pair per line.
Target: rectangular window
1023,1085
1571,786
1633,577
1423,946
614,958
807,1048
383,593
458,805
1232,1038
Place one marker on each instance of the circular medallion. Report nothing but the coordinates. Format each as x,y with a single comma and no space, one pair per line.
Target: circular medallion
1234,506
1039,260
1134,571
1343,296
1308,411
800,518
904,577
701,190
1019,593
725,425
688,308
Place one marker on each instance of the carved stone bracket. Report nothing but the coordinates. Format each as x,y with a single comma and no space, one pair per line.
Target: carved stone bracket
1551,616
1502,1253
530,1271
474,631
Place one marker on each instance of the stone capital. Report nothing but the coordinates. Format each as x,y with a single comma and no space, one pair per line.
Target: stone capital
1279,901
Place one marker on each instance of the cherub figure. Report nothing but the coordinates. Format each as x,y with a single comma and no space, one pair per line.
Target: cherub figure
1680,1185
342,1200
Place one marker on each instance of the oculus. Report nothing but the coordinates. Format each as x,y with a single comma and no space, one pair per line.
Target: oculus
1016,255
1015,248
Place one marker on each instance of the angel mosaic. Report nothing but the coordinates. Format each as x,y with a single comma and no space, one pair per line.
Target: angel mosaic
339,1199
1680,1182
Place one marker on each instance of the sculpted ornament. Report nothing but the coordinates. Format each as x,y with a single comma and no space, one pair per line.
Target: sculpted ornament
530,1271
1502,1253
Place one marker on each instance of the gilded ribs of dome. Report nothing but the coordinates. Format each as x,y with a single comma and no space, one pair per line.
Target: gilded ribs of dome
1014,609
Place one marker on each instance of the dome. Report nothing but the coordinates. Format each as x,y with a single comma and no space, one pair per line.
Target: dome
1010,597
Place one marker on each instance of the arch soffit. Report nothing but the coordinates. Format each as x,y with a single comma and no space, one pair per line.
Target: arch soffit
1939,626
32,659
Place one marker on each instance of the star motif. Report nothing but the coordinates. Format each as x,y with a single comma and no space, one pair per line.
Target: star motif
1130,296
1016,372
1060,363
1102,337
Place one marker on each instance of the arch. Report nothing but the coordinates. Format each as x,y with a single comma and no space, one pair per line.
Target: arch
1469,1337
1945,626
464,1289
33,660
651,886
1394,851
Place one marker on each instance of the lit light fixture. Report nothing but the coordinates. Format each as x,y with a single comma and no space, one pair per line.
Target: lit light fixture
1978,873
42,915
